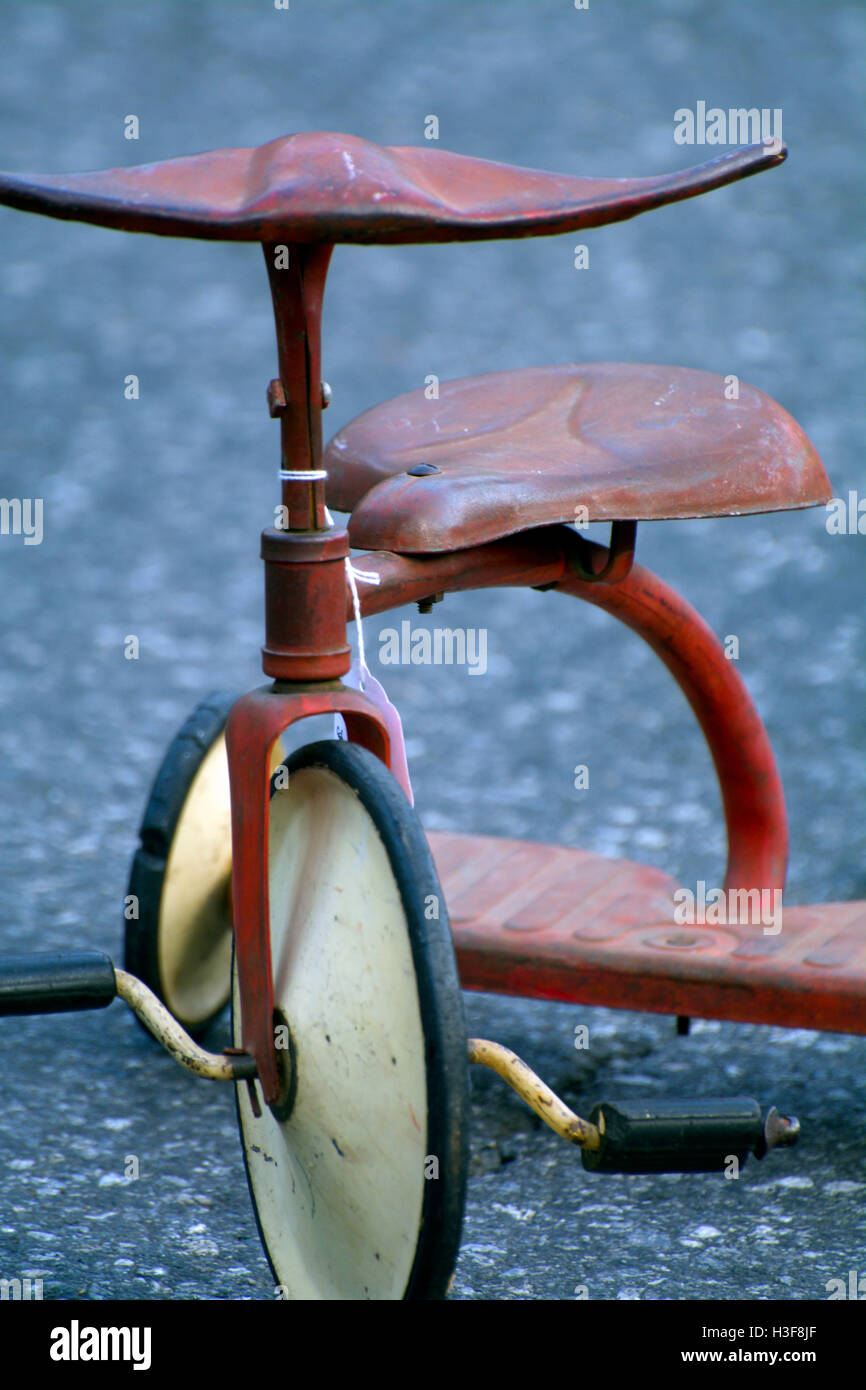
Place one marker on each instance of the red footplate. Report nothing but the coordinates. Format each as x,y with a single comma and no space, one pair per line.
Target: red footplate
546,922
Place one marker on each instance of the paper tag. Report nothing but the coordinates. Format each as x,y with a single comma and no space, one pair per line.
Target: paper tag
375,692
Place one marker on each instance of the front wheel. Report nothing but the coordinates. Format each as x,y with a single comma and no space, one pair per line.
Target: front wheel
358,1176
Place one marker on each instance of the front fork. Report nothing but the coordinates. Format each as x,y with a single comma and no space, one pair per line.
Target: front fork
255,723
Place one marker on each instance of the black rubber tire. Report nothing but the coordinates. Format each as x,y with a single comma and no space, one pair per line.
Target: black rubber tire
440,1006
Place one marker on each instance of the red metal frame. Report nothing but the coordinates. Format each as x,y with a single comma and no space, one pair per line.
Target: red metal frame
752,795
748,778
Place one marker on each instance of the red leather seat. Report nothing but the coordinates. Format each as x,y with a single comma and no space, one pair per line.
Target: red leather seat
320,186
501,453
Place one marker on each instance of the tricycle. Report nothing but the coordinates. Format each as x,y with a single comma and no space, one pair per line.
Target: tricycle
302,888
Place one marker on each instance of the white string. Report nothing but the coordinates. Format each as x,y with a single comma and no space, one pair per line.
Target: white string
359,626
367,576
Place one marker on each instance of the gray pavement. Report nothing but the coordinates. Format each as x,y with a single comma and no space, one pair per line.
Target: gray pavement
152,514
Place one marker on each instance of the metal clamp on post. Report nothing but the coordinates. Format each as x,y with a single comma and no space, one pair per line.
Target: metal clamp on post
305,605
596,565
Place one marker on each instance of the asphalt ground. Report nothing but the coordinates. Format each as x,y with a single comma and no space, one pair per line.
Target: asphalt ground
152,510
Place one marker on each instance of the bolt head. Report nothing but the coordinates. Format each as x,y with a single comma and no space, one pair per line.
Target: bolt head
277,401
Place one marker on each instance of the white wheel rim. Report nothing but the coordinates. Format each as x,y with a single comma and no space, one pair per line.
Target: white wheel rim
339,1185
195,928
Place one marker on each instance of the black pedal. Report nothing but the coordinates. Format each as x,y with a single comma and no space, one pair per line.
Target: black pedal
50,982
683,1136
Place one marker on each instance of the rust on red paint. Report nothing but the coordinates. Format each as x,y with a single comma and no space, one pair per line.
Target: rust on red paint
255,722
518,449
326,187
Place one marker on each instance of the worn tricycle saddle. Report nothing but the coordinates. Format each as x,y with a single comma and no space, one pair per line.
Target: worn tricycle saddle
306,889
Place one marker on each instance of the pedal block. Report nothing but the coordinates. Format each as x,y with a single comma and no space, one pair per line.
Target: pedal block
683,1136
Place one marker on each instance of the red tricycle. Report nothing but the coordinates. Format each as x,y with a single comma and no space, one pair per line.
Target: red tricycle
303,887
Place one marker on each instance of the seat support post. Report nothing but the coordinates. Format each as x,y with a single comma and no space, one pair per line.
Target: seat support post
304,554
297,280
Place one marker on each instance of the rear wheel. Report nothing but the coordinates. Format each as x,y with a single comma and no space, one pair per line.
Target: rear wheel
358,1177
180,941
